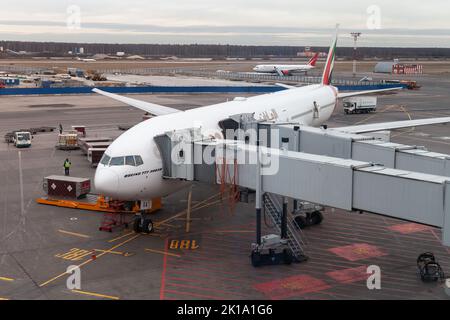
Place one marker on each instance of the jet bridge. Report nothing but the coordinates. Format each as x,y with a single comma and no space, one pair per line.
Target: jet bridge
331,142
322,166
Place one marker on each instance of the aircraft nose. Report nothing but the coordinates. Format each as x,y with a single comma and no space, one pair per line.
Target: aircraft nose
106,182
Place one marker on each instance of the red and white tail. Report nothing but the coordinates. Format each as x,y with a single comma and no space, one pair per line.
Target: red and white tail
328,70
313,60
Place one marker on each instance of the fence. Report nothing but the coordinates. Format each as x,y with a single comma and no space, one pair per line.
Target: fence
172,89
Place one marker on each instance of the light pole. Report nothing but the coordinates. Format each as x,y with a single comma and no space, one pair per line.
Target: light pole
355,36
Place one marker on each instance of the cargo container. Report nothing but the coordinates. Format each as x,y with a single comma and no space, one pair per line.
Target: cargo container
94,155
80,129
66,187
67,141
82,142
85,147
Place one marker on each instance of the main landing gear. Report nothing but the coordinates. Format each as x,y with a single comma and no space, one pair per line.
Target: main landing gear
308,214
142,224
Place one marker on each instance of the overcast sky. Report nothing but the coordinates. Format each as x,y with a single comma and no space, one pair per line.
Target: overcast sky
254,22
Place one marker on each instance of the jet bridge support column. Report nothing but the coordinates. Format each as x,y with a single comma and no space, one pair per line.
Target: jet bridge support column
295,205
284,219
284,146
258,200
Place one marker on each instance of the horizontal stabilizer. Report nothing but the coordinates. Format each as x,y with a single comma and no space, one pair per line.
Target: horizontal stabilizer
151,108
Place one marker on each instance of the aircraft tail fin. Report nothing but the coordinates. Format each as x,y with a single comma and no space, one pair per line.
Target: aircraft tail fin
328,69
313,60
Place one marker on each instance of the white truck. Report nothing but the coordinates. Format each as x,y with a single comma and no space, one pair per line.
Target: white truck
360,104
22,139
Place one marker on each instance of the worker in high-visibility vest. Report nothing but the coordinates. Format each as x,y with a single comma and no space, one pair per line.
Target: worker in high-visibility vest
66,166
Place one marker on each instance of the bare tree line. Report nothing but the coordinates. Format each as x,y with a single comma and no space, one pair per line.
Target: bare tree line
215,51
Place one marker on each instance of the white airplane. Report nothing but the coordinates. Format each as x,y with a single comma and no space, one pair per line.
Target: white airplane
132,169
86,59
287,69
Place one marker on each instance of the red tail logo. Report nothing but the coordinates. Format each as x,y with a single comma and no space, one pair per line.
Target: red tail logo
313,60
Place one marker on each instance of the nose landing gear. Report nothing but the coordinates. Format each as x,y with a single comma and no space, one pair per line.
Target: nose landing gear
142,224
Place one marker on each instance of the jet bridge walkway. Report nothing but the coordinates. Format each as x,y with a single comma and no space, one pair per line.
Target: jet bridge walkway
321,166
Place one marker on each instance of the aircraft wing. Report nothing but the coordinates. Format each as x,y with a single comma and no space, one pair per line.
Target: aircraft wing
392,125
287,86
360,93
347,94
151,108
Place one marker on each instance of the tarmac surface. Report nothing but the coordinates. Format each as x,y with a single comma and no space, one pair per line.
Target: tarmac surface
38,243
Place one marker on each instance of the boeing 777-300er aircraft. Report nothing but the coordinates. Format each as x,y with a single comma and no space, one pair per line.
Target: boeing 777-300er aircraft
131,168
287,69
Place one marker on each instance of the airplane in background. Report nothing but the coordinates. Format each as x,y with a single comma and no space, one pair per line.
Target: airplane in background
132,168
288,69
86,59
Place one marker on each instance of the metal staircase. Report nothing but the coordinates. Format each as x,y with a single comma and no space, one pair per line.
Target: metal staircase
294,239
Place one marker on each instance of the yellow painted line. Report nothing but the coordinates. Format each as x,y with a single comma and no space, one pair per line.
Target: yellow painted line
120,253
162,252
409,130
90,260
235,231
191,219
374,115
6,279
122,236
195,207
93,294
74,234
171,225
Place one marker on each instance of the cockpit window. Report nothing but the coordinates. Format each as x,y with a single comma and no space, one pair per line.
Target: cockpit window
105,159
117,161
138,161
129,161
134,161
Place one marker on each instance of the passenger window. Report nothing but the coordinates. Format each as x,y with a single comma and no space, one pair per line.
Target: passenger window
129,161
117,161
138,161
105,159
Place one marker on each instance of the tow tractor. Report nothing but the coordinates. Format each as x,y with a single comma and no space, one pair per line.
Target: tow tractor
272,250
22,139
73,192
115,212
